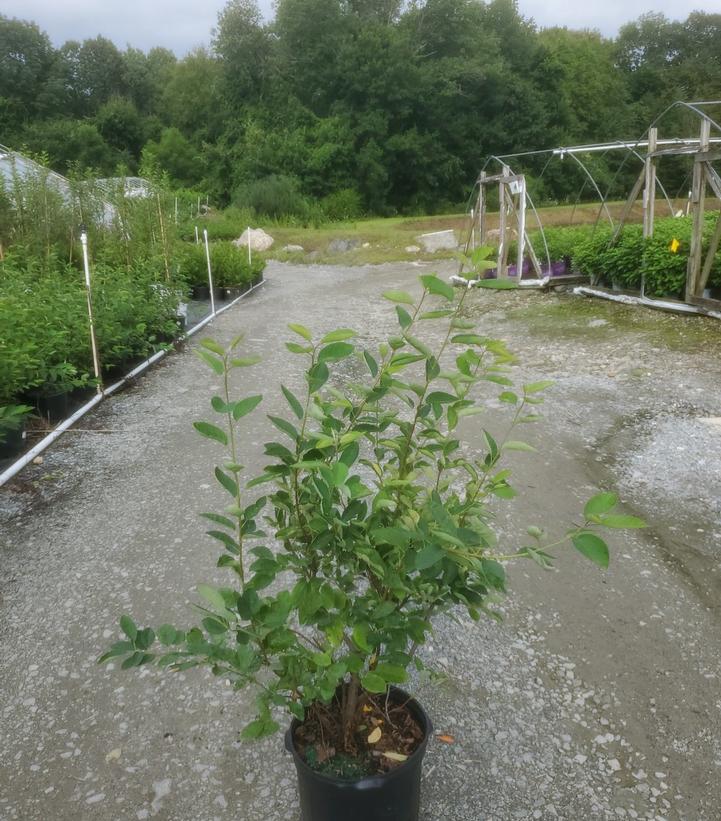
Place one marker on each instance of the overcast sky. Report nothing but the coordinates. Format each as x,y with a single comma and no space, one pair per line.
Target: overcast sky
181,25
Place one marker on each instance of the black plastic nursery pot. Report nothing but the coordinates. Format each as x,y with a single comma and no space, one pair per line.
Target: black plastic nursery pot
13,444
393,796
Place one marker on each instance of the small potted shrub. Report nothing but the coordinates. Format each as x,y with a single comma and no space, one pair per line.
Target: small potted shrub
12,429
370,518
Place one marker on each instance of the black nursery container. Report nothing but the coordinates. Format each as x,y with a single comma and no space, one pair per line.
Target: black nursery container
394,796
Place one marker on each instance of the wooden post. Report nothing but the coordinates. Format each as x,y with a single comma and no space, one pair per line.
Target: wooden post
710,254
698,193
627,208
649,192
482,209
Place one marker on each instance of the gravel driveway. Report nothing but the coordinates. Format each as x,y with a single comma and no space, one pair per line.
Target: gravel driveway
598,697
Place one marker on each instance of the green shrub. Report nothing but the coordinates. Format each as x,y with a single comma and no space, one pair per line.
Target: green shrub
275,196
343,205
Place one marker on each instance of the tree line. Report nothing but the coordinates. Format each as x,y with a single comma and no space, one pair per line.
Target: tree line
380,106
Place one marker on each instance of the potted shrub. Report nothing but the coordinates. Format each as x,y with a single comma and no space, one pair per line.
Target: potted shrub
12,429
52,395
374,519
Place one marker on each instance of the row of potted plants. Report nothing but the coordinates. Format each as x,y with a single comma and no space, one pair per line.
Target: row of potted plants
370,517
233,273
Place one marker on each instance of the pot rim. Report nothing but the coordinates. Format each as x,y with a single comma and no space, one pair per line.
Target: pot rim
370,780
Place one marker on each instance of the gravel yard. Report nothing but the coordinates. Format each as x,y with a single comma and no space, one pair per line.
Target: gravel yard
598,697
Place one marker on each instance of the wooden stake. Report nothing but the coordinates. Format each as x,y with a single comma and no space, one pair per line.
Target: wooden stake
710,254
698,192
649,193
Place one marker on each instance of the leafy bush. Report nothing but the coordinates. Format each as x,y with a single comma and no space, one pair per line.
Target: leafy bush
632,258
44,333
342,205
230,265
275,196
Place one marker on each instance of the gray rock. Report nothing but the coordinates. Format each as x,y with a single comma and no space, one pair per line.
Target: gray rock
292,249
412,249
439,241
341,246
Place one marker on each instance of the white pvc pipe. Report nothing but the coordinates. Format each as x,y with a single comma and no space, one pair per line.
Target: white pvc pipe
250,258
662,304
45,443
210,272
88,294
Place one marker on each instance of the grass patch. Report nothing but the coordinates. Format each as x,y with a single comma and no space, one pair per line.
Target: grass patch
382,240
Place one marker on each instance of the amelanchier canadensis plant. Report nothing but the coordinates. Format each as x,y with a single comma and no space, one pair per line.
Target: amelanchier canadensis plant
375,520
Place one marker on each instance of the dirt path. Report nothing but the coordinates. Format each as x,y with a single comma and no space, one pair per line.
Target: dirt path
599,695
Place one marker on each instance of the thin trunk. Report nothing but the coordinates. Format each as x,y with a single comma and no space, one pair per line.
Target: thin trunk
350,704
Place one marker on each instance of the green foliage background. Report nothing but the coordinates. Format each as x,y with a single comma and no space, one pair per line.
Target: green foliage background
391,104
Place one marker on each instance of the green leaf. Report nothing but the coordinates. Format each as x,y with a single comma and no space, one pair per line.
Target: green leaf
317,376
127,625
167,634
360,638
259,729
514,445
399,296
136,660
600,503
220,520
211,432
335,351
535,387
220,405
469,339
285,426
244,406
294,347
213,596
433,369
592,547
392,673
404,318
244,361
431,554
437,286
227,482
207,357
213,346
622,522
373,683
371,362
419,345
338,336
293,402
301,330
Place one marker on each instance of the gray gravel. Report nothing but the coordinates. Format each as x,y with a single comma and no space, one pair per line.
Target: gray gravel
597,698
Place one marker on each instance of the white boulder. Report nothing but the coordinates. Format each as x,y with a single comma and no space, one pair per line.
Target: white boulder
256,238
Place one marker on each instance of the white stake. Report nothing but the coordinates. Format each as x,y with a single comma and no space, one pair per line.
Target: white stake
210,272
93,341
250,259
197,239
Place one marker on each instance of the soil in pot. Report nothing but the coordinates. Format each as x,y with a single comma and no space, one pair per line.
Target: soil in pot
375,773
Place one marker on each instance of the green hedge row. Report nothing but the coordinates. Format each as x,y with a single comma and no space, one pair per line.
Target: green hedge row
44,335
631,257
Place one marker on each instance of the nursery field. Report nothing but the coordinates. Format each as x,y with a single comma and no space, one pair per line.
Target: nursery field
596,697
